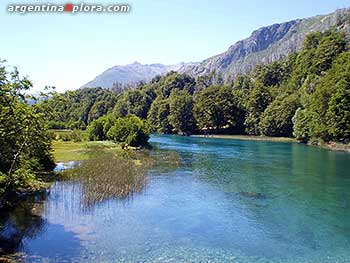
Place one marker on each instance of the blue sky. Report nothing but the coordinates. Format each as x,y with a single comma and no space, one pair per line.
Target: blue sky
66,50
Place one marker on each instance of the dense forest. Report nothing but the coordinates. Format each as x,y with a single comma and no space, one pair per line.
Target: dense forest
306,95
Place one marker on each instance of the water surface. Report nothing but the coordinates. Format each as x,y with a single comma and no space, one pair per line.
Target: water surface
224,201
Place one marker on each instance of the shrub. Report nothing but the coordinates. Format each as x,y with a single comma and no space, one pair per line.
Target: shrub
129,130
95,130
77,136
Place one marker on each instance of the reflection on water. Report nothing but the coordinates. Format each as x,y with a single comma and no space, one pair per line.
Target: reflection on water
196,200
61,166
25,221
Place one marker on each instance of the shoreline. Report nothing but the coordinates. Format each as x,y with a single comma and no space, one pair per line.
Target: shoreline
247,137
332,146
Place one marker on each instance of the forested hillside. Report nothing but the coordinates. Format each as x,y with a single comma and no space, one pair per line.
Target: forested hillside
305,95
75,109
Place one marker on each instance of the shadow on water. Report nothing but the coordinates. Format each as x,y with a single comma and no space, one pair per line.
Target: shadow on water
24,221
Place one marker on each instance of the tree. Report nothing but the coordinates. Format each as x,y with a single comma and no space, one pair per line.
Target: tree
277,118
25,143
134,102
181,112
158,116
76,109
338,113
330,46
271,74
258,100
175,81
329,103
302,120
216,108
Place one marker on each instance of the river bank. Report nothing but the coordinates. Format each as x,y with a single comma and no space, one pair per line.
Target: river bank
63,152
248,137
334,146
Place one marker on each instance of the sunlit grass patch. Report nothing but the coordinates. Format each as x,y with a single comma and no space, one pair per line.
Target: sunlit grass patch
69,151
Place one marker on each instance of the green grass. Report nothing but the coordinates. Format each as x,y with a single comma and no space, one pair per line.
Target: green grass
69,151
65,151
79,151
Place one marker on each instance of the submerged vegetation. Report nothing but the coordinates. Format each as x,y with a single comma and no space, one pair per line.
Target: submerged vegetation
305,95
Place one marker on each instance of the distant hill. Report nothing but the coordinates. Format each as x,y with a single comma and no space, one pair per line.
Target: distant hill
129,74
264,45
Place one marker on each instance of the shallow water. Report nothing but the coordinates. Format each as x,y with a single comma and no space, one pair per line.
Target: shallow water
226,201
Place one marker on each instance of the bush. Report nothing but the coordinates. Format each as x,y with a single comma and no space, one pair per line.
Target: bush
95,131
98,129
129,130
75,136
56,125
65,137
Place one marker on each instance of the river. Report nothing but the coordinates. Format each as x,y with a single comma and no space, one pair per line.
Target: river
222,200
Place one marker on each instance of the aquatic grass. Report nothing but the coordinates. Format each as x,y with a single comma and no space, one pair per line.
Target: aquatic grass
106,175
105,171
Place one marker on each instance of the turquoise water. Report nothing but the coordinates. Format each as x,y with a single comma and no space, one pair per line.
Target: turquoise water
226,201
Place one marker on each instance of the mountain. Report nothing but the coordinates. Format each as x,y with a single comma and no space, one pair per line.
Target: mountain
130,74
264,45
268,44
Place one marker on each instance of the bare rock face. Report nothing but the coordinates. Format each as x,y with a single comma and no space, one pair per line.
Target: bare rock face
268,44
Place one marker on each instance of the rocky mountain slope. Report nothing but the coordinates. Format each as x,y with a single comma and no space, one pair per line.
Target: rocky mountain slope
268,44
264,45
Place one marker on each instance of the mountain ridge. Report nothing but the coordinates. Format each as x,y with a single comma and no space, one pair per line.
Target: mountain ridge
264,45
267,44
